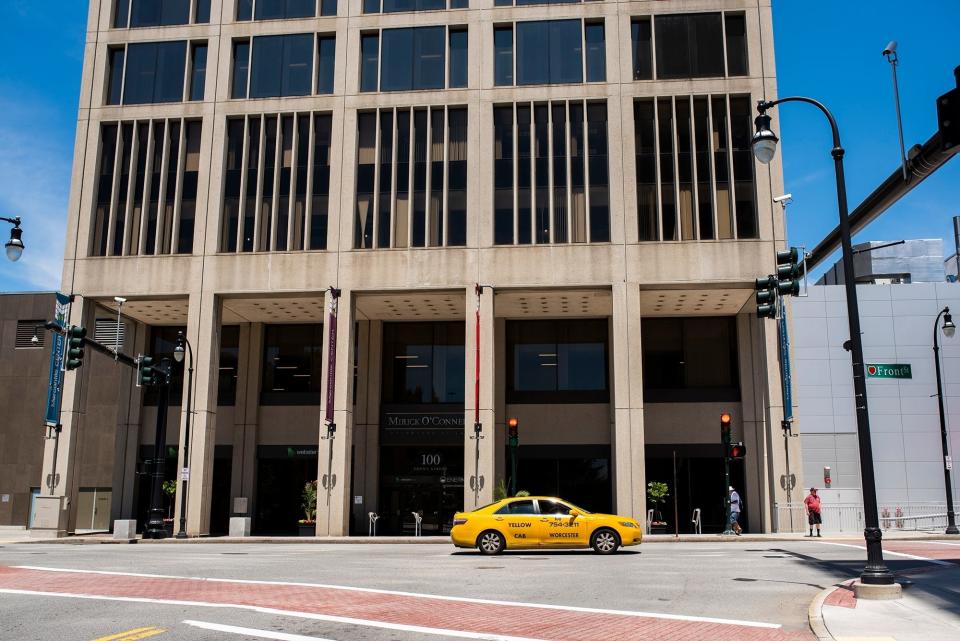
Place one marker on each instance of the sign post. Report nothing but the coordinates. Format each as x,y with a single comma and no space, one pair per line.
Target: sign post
330,479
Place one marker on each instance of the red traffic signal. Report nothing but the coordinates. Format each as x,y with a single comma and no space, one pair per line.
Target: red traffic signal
738,451
512,424
725,427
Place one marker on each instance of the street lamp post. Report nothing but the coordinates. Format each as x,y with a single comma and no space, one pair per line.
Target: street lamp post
949,329
178,353
764,147
14,246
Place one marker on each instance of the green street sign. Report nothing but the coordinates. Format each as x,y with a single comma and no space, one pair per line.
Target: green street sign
889,370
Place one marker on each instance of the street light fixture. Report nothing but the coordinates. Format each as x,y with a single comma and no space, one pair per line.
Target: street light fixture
178,354
14,246
764,147
948,329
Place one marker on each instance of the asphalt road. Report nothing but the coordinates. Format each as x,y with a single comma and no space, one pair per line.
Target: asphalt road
771,582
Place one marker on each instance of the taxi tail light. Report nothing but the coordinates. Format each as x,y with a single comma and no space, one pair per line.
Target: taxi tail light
459,521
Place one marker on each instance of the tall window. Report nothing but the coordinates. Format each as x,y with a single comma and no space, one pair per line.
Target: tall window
292,364
159,13
549,52
551,182
229,362
150,72
690,45
693,182
413,58
284,9
557,361
398,6
423,363
198,70
276,66
276,203
689,360
412,178
147,188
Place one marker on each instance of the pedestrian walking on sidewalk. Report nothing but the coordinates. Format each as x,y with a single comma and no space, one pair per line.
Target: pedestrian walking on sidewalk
812,505
735,507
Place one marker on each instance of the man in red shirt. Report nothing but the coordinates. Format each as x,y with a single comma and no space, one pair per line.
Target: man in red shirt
812,505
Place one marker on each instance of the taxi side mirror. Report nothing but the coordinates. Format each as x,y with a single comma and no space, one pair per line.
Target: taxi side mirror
574,513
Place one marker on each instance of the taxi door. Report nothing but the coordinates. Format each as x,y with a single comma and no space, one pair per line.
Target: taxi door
517,521
559,528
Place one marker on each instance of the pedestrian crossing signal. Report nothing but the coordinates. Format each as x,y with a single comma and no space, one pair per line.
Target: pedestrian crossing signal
738,450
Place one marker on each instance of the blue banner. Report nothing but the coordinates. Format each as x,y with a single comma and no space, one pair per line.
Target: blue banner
787,379
55,389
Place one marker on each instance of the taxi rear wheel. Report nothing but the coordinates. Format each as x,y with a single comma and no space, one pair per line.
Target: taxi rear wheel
491,542
605,541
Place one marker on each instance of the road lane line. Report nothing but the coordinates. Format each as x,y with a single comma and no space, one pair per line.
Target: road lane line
542,606
133,635
252,632
943,543
463,634
913,557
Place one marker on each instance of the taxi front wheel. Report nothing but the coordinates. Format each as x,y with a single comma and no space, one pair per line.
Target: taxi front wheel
491,542
604,541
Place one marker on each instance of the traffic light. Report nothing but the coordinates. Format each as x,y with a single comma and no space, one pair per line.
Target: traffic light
75,343
148,373
788,271
767,297
948,117
725,428
738,450
513,435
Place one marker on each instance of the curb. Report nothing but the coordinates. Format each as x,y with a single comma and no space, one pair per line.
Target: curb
815,615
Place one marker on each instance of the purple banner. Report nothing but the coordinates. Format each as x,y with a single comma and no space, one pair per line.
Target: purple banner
332,358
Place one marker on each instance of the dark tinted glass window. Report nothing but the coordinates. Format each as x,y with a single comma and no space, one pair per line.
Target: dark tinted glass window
549,52
503,175
458,57
241,68
736,45
459,4
554,507
371,6
328,7
327,50
557,361
741,131
690,359
518,507
278,9
413,59
121,13
154,13
597,157
229,358
642,49
369,54
244,9
163,340
292,364
423,363
394,6
281,66
457,181
503,55
154,72
198,71
203,11
115,84
689,45
596,52
646,161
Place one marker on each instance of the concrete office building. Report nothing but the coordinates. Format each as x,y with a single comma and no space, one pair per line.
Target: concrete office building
588,163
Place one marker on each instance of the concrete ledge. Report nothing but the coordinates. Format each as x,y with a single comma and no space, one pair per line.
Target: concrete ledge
870,592
37,533
124,529
815,615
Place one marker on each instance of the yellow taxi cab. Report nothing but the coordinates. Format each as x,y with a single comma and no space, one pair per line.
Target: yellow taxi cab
541,522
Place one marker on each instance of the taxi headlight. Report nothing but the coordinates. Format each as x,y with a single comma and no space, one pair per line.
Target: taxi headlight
629,524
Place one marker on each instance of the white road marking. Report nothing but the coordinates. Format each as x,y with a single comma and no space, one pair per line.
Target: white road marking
542,606
891,552
943,543
252,632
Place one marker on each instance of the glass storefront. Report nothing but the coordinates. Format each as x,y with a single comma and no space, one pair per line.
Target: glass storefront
578,473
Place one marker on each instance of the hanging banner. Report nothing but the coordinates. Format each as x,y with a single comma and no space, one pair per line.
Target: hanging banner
55,381
787,379
332,355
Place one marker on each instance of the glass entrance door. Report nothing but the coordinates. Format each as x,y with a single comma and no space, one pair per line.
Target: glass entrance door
426,480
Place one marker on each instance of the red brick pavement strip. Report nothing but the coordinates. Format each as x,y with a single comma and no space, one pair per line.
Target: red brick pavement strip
465,616
843,596
937,551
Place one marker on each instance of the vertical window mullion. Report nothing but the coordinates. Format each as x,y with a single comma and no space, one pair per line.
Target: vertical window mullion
713,170
428,190
131,188
114,187
695,205
676,168
258,203
178,192
123,75
147,185
244,179
569,163
730,176
187,72
375,232
656,162
723,33
516,176
277,167
586,167
294,157
159,247
446,178
308,207
249,81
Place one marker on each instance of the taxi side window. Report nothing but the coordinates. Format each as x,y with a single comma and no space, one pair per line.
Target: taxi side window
552,507
517,507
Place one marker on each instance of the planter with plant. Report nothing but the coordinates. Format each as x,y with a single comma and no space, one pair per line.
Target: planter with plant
169,489
657,493
308,524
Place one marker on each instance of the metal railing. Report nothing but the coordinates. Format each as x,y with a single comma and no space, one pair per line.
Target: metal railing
914,517
848,517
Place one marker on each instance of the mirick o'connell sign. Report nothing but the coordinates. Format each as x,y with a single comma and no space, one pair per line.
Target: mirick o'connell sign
889,370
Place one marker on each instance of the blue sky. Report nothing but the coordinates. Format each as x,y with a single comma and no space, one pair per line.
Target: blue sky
824,49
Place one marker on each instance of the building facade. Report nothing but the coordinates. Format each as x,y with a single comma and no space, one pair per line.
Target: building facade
237,159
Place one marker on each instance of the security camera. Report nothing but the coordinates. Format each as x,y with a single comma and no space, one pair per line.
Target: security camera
119,299
784,198
891,48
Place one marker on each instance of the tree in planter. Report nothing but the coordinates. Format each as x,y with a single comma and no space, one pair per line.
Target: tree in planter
309,503
657,493
170,489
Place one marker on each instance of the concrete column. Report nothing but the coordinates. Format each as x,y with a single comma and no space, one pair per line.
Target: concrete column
129,420
55,511
243,465
367,476
334,458
203,332
485,471
629,463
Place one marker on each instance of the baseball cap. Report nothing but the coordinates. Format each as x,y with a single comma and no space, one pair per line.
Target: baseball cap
813,489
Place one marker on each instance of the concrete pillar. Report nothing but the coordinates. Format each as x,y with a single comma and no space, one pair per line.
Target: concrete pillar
484,472
367,475
129,420
246,410
203,332
55,508
629,463
334,458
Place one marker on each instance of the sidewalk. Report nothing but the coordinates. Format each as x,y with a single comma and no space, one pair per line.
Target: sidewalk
928,611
